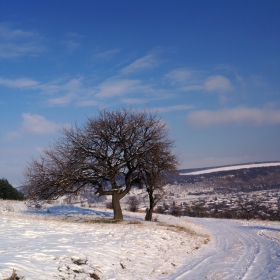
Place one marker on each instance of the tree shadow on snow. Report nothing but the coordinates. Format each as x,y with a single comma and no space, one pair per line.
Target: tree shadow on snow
63,210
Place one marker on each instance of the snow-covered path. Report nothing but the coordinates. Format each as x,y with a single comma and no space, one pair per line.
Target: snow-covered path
238,250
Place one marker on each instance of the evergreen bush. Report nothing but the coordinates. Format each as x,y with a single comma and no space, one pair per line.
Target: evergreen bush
7,191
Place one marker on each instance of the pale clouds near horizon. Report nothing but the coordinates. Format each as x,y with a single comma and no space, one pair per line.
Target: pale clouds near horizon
173,108
34,124
216,161
238,115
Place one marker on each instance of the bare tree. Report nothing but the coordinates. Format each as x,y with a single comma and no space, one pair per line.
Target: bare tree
154,182
158,166
109,153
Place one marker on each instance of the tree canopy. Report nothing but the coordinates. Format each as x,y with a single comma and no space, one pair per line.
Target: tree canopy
109,153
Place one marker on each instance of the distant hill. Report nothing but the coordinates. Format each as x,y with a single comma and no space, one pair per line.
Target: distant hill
244,178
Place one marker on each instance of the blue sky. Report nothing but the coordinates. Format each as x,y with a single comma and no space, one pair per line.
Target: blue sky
211,69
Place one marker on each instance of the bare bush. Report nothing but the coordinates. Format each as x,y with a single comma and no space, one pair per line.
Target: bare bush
133,203
176,210
109,205
160,210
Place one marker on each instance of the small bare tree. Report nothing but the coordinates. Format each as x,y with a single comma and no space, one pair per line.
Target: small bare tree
109,153
157,167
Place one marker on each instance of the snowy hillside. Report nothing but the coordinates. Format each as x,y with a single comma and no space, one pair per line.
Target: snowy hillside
233,167
64,242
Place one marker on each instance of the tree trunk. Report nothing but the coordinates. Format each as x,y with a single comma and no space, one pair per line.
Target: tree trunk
149,213
117,206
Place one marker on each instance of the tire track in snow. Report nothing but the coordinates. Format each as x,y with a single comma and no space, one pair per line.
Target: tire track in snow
268,236
237,251
252,248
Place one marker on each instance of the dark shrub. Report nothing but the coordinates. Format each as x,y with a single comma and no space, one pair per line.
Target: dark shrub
7,191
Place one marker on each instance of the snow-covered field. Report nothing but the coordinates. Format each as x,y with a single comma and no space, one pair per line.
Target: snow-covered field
63,242
234,167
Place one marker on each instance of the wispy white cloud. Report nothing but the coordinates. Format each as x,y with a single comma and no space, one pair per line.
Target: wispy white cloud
238,115
22,83
117,87
60,92
62,100
194,80
88,102
192,88
134,100
181,75
258,80
106,55
71,45
73,85
147,62
65,91
173,108
72,41
17,42
217,83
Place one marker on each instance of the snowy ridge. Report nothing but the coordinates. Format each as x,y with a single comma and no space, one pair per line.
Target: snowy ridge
234,167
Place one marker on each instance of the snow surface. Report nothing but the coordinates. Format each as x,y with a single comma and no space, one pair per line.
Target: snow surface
62,242
235,167
238,250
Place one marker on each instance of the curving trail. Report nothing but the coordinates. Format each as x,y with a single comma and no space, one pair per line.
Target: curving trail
238,250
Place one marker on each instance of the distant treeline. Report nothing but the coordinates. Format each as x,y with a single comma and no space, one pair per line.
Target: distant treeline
7,191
